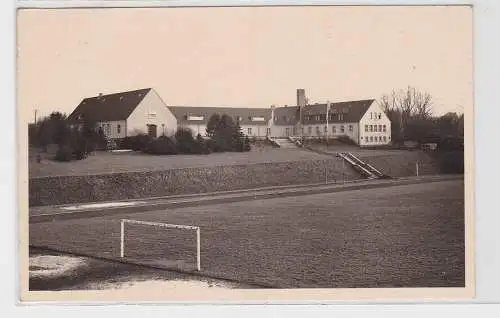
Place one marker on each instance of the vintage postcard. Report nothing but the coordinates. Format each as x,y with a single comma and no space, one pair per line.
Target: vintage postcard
249,154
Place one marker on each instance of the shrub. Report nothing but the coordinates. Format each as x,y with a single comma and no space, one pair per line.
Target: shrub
451,161
138,142
64,153
163,145
185,141
246,144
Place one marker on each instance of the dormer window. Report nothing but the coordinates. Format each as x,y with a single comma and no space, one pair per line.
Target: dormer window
257,119
195,118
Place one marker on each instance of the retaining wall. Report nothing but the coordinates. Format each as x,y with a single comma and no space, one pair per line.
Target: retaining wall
134,185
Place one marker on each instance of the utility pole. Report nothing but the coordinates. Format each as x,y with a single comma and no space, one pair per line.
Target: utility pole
36,111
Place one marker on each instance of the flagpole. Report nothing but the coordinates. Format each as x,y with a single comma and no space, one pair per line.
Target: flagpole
326,140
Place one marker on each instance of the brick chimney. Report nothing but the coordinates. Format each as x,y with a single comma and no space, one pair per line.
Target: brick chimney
301,97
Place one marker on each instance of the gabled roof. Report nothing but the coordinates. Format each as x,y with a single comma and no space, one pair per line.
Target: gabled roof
202,114
352,111
111,107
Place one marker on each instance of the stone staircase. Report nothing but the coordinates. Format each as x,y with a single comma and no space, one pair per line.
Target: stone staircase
285,143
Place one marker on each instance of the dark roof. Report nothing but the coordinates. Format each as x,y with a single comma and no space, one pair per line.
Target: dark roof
245,114
352,111
111,107
288,115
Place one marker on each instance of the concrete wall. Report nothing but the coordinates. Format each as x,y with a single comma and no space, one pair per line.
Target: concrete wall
371,118
152,110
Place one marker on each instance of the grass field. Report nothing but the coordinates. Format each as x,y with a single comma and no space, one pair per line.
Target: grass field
392,162
108,162
404,236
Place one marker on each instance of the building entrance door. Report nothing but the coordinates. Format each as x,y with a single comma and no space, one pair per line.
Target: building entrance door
152,131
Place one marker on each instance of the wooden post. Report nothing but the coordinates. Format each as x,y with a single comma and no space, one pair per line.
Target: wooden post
122,239
416,165
198,256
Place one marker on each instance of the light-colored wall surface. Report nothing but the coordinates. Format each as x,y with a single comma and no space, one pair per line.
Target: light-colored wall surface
256,130
114,129
140,117
369,118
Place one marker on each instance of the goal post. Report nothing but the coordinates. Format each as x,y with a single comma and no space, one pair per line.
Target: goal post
164,225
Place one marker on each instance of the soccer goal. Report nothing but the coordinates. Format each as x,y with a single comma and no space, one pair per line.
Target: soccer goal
160,225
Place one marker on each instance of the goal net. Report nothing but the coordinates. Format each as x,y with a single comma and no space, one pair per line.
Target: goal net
163,244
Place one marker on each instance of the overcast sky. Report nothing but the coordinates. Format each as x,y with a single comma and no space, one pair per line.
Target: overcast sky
244,57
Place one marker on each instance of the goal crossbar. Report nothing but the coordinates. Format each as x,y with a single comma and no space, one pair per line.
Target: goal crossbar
165,225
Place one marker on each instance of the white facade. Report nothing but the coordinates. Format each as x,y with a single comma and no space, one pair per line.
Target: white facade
151,113
114,129
375,127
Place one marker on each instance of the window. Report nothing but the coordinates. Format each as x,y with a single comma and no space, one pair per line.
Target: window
371,128
341,117
118,129
342,128
107,129
334,130
375,128
322,117
366,128
326,129
309,130
268,131
350,128
371,138
249,130
385,139
371,115
379,116
384,128
379,127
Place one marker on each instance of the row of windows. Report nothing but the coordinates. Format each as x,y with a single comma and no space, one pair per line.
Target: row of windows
325,129
375,115
322,117
376,138
375,128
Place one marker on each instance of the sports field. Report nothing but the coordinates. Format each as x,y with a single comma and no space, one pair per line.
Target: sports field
403,236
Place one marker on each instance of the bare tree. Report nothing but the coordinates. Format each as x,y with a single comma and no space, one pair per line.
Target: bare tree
405,105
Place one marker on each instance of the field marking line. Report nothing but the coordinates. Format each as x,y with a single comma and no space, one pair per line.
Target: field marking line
101,205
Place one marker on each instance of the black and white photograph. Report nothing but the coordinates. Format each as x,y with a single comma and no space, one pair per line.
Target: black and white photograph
219,152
